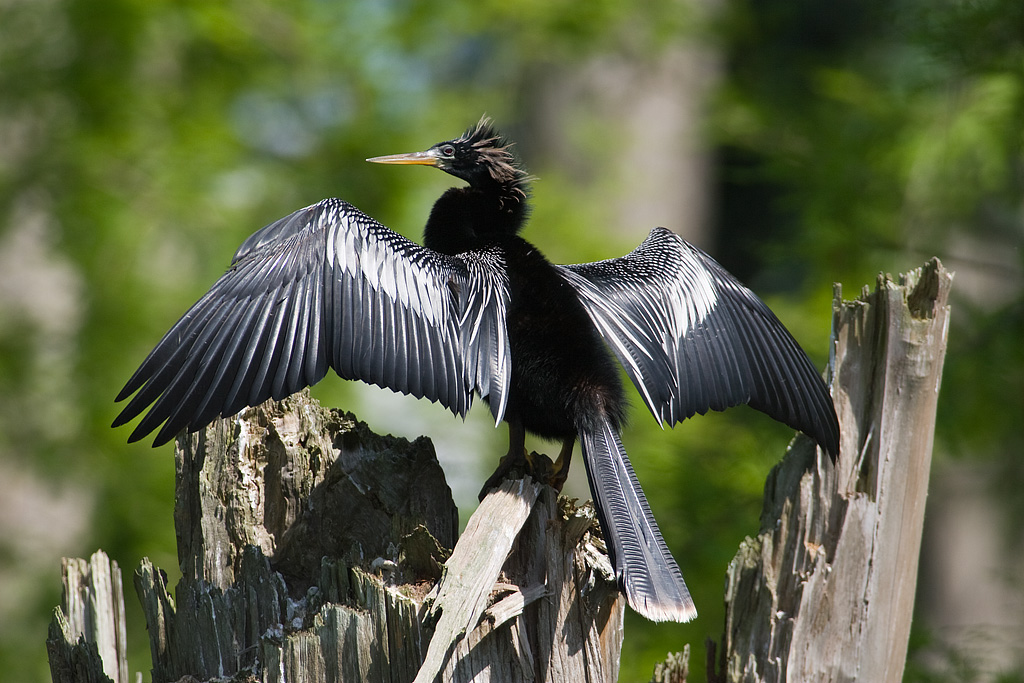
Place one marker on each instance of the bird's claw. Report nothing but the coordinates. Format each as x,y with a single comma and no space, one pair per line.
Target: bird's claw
535,465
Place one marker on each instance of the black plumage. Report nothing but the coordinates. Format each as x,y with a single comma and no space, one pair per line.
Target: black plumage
478,310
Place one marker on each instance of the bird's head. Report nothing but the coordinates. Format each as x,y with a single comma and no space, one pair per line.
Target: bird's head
480,156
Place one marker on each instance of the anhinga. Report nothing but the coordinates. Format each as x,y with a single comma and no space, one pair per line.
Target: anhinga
477,309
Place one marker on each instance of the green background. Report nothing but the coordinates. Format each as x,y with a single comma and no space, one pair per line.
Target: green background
142,141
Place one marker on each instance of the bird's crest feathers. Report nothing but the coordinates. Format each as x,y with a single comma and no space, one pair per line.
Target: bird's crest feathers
502,164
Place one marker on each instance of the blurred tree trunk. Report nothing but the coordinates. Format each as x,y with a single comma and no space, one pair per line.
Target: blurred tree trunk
313,549
653,104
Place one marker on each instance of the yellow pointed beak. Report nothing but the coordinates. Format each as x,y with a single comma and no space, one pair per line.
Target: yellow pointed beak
428,158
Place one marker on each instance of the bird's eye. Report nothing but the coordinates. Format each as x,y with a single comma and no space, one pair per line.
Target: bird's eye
448,150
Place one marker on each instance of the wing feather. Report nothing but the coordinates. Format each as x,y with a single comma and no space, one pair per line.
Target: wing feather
189,379
327,287
224,361
292,347
269,351
693,339
248,362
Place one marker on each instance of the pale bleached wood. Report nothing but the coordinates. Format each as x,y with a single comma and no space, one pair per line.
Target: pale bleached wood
515,603
87,637
302,482
573,632
464,591
825,592
674,669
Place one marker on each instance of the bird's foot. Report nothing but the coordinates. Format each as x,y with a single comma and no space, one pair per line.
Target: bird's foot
535,465
560,467
515,464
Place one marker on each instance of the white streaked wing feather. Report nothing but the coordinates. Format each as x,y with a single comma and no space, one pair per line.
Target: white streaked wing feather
692,338
327,285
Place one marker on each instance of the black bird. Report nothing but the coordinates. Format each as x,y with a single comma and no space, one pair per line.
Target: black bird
477,309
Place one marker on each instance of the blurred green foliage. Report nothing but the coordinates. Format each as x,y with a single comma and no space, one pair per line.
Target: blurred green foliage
140,142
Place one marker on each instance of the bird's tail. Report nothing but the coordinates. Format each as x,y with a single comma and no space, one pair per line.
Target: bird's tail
644,567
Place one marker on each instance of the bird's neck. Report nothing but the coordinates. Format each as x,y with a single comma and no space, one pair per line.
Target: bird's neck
467,218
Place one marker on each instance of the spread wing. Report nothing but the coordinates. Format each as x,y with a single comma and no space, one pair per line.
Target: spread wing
692,338
329,287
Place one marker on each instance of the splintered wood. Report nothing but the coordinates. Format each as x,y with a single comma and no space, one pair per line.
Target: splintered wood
87,638
308,546
826,591
557,616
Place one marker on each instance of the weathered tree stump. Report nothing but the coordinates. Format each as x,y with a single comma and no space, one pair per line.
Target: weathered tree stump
308,546
826,590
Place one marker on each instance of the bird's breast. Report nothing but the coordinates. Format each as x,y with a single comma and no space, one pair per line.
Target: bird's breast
562,373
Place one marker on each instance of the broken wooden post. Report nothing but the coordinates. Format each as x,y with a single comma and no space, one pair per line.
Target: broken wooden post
308,546
86,641
826,590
